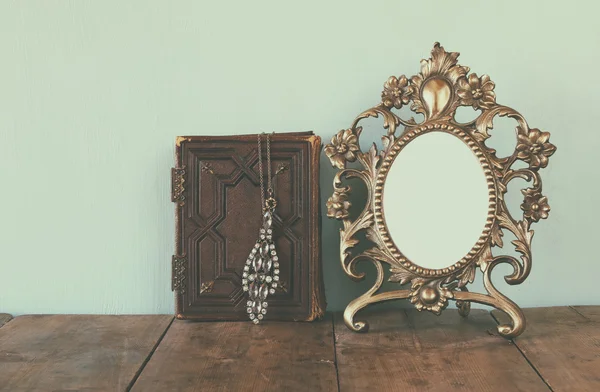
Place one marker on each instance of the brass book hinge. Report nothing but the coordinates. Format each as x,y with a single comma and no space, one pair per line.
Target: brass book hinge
178,269
177,185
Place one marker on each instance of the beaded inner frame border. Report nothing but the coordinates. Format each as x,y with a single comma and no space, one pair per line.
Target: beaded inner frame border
380,182
436,92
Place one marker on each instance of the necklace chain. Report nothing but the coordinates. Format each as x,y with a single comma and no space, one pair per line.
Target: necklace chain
260,169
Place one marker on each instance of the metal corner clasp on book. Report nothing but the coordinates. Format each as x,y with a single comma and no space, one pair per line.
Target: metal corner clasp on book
177,185
178,269
178,262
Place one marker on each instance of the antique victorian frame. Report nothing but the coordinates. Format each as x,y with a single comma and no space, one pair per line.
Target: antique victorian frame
436,92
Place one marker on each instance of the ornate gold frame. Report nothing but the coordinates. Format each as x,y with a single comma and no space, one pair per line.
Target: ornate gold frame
436,92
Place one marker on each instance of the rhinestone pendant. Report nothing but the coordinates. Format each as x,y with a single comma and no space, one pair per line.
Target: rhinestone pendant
261,277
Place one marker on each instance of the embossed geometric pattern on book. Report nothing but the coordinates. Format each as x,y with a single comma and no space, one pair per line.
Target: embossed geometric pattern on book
216,190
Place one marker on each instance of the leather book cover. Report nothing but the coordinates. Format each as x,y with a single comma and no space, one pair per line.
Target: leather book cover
216,189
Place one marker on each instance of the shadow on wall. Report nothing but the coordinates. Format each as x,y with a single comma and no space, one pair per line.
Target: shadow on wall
339,288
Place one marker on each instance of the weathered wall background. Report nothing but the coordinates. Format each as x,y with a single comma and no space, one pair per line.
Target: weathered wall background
93,93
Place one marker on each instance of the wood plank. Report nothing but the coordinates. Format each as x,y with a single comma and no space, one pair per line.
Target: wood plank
563,345
590,312
414,351
91,353
4,318
241,356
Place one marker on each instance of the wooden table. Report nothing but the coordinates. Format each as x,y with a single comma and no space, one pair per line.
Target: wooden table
403,351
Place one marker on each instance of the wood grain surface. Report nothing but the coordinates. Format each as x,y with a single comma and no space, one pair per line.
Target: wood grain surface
76,353
413,351
403,351
563,344
4,318
240,356
591,313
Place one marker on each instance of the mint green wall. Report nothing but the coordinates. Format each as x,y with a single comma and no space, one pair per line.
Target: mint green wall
93,93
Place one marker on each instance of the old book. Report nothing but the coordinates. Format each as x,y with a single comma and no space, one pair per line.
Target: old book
216,188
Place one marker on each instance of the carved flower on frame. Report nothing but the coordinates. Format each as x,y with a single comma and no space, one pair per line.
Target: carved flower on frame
429,296
338,205
396,92
343,147
535,206
476,92
535,148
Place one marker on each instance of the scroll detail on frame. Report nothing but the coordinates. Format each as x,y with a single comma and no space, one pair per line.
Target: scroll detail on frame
436,92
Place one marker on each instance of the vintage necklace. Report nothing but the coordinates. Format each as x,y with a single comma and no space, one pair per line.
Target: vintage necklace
261,272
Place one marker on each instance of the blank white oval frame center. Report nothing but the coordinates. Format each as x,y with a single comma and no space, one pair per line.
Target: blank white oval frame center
435,200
